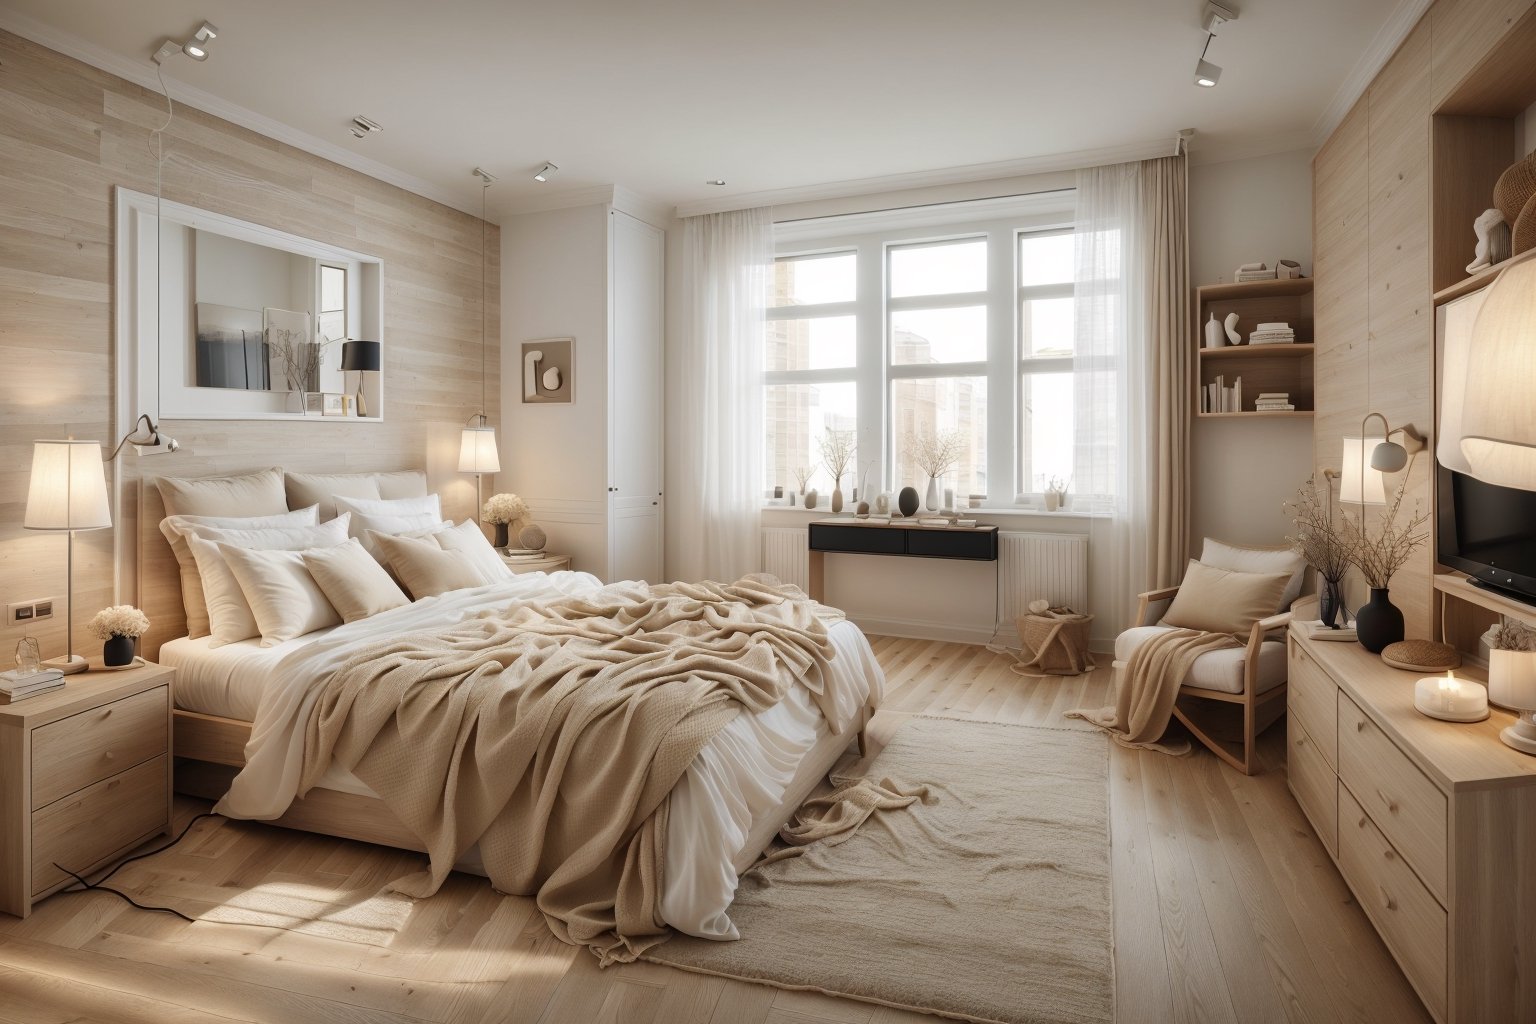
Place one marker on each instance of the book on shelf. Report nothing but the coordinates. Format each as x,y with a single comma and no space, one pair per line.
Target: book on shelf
1217,397
1315,630
1274,407
1247,276
1282,395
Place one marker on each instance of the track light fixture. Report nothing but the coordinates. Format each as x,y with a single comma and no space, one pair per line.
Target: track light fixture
1214,17
195,48
546,172
362,127
1206,73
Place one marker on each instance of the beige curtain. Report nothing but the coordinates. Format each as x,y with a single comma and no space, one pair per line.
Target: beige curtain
1170,363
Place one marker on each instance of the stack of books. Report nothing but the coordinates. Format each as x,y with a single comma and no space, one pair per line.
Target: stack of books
1217,397
1274,401
1272,334
16,685
1253,272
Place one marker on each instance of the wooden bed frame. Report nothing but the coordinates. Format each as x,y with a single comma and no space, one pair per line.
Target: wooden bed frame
210,750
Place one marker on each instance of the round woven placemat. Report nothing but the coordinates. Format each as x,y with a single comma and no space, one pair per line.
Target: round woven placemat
1421,654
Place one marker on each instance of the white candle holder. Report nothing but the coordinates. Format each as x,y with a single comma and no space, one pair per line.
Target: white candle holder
1450,699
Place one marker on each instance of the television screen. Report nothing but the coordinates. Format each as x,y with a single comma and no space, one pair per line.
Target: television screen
1488,532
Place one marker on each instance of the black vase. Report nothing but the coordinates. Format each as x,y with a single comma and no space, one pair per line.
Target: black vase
1330,603
1378,623
117,651
907,501
501,535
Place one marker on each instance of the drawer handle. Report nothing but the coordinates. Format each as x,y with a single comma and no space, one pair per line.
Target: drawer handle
1391,804
1386,898
1361,822
1360,725
108,756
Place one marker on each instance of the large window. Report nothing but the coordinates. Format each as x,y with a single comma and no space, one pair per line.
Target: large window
904,329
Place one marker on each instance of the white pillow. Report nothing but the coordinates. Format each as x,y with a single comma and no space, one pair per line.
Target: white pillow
469,540
175,530
391,506
355,584
284,597
1260,560
418,524
230,616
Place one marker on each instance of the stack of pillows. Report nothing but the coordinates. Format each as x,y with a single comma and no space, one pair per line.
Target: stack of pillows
354,545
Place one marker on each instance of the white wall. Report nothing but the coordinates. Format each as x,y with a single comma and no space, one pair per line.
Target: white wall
555,285
1243,211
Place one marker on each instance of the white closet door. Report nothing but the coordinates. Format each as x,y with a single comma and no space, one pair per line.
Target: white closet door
635,422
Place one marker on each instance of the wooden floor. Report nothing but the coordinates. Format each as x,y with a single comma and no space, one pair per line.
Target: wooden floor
1226,909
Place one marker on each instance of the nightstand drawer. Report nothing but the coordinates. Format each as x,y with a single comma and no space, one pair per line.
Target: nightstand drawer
1408,808
1313,783
85,829
76,752
1312,697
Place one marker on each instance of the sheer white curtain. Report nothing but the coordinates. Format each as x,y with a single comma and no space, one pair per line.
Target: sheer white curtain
717,500
1130,367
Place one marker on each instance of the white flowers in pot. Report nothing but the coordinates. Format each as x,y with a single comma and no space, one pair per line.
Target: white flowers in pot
119,626
502,510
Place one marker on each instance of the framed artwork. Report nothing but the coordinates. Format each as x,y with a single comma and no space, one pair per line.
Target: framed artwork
548,371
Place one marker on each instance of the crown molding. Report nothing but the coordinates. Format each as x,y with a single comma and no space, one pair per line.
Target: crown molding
926,179
1372,60
142,73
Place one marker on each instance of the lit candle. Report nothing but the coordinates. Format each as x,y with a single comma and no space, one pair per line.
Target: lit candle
1447,697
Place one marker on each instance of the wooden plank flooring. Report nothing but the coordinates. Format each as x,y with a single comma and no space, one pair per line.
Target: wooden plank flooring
1227,908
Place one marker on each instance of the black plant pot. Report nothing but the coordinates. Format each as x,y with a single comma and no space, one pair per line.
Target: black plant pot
117,651
1330,603
1378,623
501,535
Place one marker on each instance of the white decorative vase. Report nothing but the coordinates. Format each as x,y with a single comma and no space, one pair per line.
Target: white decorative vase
837,498
1052,500
1215,337
931,500
1510,673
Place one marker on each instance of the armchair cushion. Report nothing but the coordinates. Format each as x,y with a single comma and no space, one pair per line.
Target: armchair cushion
1241,559
1224,601
1218,670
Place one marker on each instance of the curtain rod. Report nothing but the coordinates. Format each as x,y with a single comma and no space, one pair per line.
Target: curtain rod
921,206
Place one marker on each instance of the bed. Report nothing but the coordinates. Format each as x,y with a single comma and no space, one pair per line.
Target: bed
726,809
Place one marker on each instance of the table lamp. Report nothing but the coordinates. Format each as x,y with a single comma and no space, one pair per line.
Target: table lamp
68,493
477,454
364,357
1514,687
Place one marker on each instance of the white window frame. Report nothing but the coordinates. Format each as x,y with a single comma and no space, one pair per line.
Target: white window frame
871,236
1025,491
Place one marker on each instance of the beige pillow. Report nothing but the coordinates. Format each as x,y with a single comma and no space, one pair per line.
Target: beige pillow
324,488
468,539
250,494
1231,556
355,584
365,527
424,568
1224,601
175,530
282,594
230,616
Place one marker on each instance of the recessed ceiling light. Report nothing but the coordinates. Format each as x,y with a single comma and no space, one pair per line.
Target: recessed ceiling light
362,127
546,172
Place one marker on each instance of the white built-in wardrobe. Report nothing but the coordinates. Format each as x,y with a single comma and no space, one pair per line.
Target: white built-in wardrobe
591,471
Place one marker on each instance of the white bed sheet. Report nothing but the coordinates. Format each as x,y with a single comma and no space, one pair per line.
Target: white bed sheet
739,777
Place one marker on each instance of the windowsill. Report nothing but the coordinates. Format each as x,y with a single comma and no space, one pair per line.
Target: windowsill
1010,512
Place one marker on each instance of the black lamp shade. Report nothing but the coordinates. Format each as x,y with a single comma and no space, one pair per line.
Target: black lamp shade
360,355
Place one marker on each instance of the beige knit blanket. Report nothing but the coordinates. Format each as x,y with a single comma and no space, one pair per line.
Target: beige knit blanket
1149,686
553,735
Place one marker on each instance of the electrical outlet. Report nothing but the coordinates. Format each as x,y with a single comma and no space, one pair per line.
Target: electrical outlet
43,609
24,613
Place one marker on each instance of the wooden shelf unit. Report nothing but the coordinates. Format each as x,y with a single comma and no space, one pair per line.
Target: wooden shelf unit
1263,368
1253,414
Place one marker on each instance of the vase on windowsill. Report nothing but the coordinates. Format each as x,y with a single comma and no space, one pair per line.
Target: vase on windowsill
1378,623
931,499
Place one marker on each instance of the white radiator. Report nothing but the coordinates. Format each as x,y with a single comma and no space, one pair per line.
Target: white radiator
786,555
1053,566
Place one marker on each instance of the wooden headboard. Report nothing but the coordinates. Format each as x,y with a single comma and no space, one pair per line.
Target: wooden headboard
159,577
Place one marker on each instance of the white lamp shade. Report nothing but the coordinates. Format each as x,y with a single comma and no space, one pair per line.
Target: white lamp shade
1358,482
1498,435
69,487
477,451
1512,679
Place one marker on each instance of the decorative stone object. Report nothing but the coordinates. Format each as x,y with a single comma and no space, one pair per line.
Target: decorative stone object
532,537
862,508
1492,241
810,498
907,501
1232,335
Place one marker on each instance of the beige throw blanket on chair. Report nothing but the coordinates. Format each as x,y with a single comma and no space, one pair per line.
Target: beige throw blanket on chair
1149,686
552,736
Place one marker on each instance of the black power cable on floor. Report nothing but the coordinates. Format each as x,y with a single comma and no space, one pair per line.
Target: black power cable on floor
99,886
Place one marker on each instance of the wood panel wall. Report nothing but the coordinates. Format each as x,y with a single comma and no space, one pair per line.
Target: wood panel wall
1371,214
70,133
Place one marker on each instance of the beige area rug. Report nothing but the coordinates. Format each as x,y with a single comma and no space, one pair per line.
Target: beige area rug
989,901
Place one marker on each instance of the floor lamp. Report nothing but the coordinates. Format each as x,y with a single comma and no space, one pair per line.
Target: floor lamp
68,493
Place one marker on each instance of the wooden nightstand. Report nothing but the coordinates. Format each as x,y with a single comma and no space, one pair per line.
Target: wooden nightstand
85,776
546,563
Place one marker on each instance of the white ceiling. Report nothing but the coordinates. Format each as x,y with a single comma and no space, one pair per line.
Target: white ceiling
660,95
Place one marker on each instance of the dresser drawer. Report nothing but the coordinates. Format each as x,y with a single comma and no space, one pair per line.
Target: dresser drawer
1312,697
1313,783
83,830
1405,913
79,751
1408,808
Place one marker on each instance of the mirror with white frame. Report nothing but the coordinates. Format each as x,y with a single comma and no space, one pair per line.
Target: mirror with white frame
220,318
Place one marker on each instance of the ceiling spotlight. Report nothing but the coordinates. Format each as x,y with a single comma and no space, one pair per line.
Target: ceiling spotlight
1206,73
715,181
546,172
196,47
362,127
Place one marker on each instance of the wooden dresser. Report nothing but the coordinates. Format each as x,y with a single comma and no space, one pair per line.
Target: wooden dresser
85,776
1432,824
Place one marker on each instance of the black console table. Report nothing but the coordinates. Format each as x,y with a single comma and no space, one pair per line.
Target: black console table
897,537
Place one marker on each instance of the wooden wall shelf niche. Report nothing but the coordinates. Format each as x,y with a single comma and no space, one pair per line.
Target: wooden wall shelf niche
1286,368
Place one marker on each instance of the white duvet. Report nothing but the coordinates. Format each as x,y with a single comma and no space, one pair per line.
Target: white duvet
740,775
